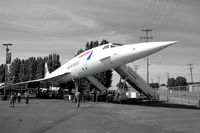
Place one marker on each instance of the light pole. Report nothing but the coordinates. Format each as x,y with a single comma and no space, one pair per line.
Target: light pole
7,61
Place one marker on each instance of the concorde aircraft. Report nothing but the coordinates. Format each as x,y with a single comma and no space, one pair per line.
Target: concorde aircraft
99,59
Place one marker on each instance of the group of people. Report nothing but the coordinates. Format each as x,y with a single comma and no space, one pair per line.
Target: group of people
17,97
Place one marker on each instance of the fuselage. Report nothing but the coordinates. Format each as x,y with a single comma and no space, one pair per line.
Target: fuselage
106,57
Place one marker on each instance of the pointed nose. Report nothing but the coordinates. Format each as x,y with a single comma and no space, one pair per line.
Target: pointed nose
152,47
148,48
162,44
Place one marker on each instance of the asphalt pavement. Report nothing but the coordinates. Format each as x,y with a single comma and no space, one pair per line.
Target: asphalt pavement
59,116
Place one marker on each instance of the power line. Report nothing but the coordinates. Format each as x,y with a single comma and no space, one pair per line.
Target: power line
160,13
155,13
149,13
170,11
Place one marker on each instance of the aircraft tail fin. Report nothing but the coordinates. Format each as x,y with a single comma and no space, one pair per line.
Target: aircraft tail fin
46,74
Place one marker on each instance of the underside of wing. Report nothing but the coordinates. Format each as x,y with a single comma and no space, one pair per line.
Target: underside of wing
51,80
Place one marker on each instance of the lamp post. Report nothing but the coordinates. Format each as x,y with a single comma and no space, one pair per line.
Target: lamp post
7,62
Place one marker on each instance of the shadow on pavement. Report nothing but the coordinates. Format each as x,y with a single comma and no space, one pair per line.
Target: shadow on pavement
164,105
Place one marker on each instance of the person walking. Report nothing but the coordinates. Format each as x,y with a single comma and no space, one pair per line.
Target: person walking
15,96
78,98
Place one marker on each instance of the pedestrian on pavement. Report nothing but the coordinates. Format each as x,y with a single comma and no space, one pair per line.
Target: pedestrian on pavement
78,98
15,96
19,97
26,97
12,100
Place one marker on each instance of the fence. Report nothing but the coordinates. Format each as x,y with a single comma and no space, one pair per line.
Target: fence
188,95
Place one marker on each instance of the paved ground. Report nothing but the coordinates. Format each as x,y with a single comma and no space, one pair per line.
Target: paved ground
57,116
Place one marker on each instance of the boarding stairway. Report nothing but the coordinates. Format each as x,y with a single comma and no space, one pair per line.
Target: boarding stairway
96,83
137,82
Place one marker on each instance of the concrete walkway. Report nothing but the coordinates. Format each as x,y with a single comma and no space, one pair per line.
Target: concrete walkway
58,116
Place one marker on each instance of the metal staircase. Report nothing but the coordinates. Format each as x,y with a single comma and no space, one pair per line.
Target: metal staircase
95,82
137,82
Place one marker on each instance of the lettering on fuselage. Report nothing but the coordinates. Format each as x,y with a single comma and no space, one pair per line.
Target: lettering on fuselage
73,65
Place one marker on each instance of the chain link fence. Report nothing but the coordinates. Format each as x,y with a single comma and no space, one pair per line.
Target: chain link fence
188,95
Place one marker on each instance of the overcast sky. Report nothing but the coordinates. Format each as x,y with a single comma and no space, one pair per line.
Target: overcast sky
40,27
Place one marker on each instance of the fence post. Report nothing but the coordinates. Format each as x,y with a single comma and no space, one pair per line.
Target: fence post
167,94
187,89
198,96
179,94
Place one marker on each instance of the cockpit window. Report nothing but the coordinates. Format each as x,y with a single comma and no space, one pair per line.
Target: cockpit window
116,44
106,46
112,46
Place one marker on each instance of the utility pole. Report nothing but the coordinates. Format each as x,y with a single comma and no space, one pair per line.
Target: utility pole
7,62
146,39
167,76
159,80
191,74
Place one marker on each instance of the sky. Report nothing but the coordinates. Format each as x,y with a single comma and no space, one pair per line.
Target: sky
41,27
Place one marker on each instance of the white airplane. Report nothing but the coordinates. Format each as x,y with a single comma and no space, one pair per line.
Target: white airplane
100,59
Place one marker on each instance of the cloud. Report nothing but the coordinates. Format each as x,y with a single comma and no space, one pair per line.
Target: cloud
45,19
65,26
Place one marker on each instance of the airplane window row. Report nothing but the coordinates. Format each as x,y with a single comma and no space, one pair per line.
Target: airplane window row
112,45
106,46
117,44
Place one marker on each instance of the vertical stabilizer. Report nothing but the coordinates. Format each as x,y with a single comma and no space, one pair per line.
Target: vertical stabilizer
46,74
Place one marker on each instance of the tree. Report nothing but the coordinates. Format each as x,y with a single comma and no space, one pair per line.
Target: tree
32,67
79,52
40,68
22,71
96,44
171,82
2,73
14,69
180,81
154,85
55,62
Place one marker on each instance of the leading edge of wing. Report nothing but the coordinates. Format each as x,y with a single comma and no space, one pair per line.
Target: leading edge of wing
40,80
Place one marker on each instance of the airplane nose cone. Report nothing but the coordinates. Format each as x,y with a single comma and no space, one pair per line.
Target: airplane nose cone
148,48
156,46
166,44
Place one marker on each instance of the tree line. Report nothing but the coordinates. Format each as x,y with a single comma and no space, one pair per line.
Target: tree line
29,69
179,81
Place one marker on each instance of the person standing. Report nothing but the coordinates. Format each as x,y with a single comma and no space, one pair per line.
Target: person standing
12,100
26,97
